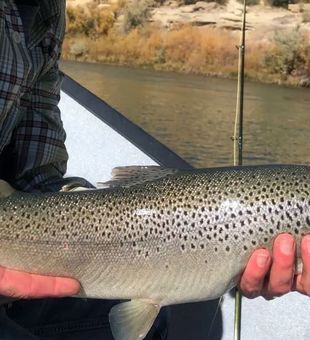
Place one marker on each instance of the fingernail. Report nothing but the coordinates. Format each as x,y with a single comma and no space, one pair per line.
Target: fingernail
262,260
287,246
69,287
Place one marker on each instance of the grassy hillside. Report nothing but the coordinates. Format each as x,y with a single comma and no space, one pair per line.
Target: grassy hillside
190,36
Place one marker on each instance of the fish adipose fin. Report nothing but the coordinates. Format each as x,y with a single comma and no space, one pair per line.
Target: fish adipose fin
132,320
5,189
128,176
74,186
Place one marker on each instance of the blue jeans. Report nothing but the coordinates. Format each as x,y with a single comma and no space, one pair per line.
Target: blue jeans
65,319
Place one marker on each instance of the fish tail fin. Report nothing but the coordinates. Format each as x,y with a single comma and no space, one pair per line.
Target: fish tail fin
132,320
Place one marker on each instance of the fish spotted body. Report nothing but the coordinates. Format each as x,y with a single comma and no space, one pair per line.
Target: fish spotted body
179,237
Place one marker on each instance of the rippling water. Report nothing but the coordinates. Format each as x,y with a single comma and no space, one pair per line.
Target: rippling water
194,115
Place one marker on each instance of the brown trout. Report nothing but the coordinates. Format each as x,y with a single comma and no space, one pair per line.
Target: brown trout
156,237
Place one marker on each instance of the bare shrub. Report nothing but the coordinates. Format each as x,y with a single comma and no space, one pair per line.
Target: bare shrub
192,2
306,16
89,20
136,13
290,54
278,3
250,2
78,49
79,20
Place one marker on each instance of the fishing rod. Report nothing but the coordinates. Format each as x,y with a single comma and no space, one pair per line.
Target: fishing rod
238,148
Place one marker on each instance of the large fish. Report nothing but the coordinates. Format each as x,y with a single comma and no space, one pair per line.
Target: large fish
157,237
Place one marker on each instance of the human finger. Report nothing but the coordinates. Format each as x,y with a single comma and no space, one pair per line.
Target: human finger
24,285
253,277
283,266
303,279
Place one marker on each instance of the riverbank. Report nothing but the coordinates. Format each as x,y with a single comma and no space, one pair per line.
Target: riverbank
278,47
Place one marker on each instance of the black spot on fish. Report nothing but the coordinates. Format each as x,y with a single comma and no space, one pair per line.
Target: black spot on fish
300,208
288,216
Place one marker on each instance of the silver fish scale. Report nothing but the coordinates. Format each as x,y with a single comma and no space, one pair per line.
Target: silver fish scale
184,237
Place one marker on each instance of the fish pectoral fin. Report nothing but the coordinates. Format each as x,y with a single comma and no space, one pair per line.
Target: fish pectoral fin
132,320
6,189
128,176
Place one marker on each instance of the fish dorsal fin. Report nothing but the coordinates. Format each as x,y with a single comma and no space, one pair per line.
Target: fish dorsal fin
6,189
132,320
128,176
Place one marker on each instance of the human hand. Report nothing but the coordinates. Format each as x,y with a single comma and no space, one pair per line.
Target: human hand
24,285
274,275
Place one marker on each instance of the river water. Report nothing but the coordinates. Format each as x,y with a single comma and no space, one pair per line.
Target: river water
194,115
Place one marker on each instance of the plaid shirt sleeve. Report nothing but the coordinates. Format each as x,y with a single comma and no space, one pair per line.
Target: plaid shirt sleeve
41,156
33,154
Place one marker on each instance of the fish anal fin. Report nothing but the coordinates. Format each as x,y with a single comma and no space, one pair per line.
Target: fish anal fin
6,189
132,175
132,320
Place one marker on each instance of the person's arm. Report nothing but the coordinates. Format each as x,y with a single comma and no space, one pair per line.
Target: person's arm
38,163
40,156
270,275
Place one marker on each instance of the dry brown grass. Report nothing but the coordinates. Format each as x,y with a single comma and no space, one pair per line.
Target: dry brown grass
186,49
209,51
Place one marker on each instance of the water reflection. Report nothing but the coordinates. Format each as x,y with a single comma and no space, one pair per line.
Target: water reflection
194,115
